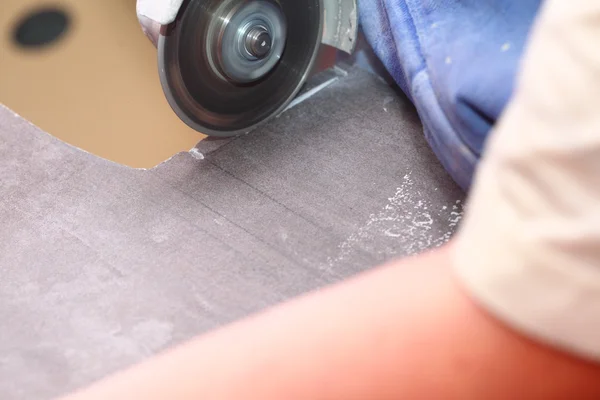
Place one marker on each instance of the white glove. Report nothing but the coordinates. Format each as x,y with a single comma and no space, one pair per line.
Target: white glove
161,11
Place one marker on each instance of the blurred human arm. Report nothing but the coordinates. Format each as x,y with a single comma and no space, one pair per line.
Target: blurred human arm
405,330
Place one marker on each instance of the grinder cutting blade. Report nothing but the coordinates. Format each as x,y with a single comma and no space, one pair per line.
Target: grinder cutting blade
226,66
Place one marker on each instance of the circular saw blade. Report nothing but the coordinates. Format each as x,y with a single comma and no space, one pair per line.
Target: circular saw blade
215,106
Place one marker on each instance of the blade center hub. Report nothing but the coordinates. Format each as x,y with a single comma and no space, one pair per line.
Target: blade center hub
258,41
248,40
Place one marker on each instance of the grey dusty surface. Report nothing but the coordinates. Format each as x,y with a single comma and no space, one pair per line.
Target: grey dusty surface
102,266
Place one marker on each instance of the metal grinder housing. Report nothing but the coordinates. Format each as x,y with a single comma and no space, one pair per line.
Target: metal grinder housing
227,66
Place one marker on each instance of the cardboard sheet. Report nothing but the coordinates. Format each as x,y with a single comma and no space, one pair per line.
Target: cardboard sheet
97,87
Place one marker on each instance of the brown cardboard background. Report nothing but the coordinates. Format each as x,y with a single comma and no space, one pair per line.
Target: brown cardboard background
97,88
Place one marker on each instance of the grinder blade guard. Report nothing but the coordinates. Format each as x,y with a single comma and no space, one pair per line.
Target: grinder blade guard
227,66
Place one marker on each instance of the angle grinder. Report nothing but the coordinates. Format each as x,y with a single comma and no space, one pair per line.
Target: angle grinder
227,66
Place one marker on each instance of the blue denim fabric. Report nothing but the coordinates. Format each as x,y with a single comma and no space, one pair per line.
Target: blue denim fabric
456,60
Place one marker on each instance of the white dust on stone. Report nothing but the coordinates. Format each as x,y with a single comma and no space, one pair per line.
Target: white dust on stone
196,154
387,101
407,225
308,94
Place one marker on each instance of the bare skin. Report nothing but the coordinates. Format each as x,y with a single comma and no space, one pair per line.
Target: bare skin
405,330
